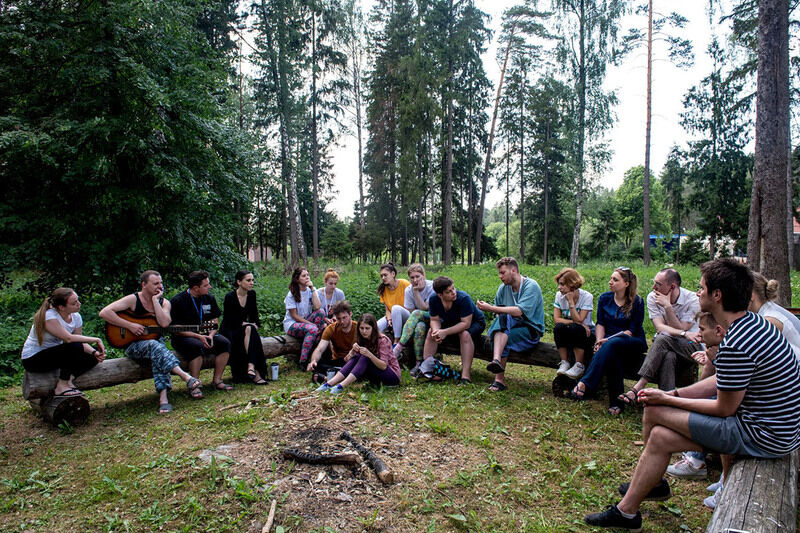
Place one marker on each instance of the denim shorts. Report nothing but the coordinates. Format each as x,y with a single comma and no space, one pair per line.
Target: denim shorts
724,435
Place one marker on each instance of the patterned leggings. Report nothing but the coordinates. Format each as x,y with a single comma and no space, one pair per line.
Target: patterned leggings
161,359
308,332
416,327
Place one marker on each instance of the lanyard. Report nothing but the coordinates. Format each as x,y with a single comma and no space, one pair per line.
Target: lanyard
200,309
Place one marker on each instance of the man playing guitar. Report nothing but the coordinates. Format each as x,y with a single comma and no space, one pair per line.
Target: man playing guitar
150,303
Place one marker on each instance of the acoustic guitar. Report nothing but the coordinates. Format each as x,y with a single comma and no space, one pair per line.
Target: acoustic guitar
120,337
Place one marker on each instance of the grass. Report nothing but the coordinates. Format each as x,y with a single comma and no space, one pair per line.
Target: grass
466,459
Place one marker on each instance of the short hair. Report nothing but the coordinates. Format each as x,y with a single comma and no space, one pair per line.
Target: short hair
331,273
196,278
145,277
671,275
342,306
507,261
441,284
416,267
734,280
707,318
570,278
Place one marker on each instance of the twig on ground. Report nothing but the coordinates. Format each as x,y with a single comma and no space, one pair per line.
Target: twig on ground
270,518
320,459
380,468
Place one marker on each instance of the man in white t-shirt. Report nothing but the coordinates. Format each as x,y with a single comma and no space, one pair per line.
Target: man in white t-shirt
673,311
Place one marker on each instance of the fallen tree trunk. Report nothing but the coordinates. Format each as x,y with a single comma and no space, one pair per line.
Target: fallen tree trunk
123,370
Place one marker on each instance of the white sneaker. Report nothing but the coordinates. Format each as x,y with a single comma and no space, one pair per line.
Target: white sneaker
563,366
323,388
336,389
714,486
686,470
576,371
712,501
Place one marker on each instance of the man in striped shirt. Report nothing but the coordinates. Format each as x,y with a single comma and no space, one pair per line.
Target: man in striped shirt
753,413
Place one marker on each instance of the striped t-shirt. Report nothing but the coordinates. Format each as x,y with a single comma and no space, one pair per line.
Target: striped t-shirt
756,358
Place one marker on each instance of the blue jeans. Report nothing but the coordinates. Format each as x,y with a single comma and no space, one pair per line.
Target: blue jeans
608,360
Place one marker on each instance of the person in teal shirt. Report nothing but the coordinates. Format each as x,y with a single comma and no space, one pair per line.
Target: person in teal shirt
519,318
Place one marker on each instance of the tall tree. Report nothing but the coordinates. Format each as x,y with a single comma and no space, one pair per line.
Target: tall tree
769,198
518,22
589,29
680,52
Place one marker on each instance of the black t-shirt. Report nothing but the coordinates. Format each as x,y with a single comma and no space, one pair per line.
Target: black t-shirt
188,311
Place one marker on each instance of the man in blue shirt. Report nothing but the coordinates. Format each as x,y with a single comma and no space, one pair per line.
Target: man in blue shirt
519,318
452,313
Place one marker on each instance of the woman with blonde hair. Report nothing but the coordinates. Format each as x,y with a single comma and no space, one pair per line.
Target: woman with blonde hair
572,316
418,321
328,294
765,292
620,314
56,342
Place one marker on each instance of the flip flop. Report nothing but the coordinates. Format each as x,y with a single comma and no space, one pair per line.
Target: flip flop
497,387
164,408
495,367
627,399
464,381
69,392
221,385
193,384
614,410
577,394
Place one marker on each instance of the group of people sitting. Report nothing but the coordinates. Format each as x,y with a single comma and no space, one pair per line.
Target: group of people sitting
747,345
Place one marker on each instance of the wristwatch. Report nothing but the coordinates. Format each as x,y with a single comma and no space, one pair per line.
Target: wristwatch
683,333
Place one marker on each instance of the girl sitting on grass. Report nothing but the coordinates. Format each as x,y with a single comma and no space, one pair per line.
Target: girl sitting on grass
371,357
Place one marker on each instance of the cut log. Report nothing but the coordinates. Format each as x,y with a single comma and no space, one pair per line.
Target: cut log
380,468
760,496
58,409
320,459
123,370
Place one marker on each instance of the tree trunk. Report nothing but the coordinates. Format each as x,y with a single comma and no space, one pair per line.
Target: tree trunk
314,163
487,161
447,189
522,168
546,191
646,184
576,231
767,213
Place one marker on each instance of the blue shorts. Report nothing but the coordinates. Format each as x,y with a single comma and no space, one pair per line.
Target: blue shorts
724,435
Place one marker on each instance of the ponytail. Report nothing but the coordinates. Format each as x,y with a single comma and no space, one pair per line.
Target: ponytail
58,298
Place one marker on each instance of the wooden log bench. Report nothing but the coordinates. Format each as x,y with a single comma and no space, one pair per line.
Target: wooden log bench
760,496
37,388
545,354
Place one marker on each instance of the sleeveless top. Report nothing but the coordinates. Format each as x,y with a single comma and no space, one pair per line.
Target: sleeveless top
139,309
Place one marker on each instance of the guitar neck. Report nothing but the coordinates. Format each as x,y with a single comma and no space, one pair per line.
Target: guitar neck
169,329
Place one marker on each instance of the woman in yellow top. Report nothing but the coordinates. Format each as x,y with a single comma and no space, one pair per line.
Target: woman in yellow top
392,294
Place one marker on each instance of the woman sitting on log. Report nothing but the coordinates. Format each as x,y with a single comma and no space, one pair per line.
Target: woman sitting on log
329,294
240,324
416,302
620,313
304,319
56,342
572,315
392,296
371,357
765,292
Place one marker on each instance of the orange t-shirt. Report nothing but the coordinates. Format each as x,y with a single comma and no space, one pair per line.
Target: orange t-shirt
390,297
340,342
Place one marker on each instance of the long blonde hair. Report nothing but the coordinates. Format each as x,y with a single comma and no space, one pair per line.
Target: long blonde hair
57,299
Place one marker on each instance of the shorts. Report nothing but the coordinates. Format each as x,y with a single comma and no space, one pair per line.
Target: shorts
724,435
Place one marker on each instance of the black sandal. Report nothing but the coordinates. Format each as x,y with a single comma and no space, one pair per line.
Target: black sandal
627,399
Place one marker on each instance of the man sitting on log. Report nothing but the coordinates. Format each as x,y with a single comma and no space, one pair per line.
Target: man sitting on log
195,306
519,318
150,303
755,409
337,340
453,313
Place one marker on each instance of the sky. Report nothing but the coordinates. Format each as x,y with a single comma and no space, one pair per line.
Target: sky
627,137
